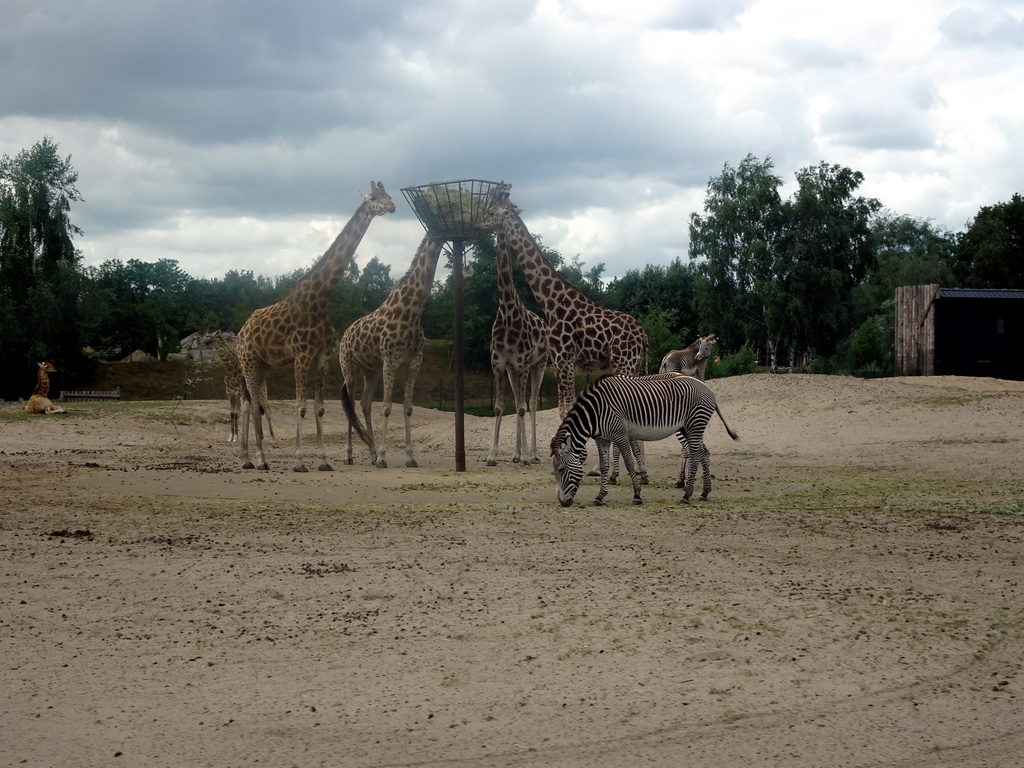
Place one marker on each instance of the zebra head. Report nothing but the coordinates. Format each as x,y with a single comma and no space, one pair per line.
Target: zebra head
567,462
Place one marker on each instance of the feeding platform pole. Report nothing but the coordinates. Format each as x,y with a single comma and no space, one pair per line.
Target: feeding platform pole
453,211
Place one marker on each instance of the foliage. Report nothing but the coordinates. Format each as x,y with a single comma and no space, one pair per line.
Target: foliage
737,364
39,266
811,277
991,251
782,273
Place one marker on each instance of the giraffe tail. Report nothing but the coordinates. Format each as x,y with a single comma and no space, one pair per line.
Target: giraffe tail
353,417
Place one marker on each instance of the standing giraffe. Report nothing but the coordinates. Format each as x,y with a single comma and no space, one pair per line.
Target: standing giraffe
39,402
580,332
233,385
519,351
296,331
386,339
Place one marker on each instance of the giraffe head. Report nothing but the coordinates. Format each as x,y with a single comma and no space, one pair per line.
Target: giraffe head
45,368
380,202
500,209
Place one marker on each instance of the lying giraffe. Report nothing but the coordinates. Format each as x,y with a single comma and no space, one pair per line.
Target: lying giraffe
40,402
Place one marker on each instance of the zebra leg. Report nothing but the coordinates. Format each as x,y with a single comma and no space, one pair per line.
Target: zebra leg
602,462
641,460
694,458
625,449
681,437
705,463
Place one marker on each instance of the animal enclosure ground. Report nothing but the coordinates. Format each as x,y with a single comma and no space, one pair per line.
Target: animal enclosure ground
850,595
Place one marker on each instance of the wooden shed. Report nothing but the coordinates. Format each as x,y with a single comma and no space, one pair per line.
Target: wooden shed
960,331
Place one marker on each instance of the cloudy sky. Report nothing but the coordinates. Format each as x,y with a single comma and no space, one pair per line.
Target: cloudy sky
237,134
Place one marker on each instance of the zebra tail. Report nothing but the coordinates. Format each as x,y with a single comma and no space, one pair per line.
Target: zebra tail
725,424
353,417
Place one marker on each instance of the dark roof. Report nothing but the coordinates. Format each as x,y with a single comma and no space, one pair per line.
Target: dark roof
981,293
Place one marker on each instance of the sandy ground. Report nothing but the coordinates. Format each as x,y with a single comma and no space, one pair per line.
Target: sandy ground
850,595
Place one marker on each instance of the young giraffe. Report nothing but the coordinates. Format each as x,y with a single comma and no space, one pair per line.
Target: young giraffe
233,380
386,339
519,351
39,402
580,332
296,331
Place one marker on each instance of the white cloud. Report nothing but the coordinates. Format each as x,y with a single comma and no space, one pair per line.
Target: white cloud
237,134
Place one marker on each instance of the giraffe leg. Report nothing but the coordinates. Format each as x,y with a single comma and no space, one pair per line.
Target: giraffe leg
536,378
301,373
518,386
411,374
366,401
318,413
499,411
389,383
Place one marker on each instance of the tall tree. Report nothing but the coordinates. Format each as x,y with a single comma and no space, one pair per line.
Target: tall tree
991,253
827,250
736,244
39,277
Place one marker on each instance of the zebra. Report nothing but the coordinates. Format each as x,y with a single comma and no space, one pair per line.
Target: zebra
617,409
692,361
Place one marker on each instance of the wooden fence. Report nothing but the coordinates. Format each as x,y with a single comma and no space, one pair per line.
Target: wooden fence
85,395
915,329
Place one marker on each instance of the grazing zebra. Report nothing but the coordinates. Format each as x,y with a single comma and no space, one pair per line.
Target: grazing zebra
692,361
617,409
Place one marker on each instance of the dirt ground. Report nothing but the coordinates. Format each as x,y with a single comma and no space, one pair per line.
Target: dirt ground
850,595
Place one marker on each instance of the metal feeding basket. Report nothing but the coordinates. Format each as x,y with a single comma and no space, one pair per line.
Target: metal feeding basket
453,210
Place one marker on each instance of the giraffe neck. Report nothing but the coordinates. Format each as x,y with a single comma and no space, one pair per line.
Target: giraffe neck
413,290
42,384
316,287
549,288
507,294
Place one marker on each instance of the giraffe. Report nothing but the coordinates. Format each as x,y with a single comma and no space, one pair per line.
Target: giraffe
39,402
580,332
296,331
233,379
386,339
519,351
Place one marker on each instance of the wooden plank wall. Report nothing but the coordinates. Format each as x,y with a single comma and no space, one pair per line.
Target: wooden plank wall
915,329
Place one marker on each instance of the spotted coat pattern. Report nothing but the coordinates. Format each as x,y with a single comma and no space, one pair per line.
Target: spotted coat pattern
296,331
385,340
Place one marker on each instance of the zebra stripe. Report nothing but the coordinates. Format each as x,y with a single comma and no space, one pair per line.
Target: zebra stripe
616,409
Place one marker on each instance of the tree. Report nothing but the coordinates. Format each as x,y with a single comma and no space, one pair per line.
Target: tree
826,250
736,244
991,252
39,277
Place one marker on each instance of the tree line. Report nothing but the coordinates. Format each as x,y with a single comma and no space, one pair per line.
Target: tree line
807,281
